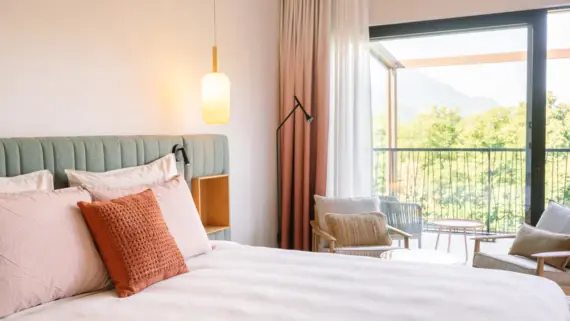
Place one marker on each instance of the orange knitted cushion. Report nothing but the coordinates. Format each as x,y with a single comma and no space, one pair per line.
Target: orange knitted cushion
134,242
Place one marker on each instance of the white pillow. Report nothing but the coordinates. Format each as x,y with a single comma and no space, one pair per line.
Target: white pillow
555,219
356,205
36,181
178,209
156,172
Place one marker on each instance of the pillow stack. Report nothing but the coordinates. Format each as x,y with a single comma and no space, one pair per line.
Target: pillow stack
135,225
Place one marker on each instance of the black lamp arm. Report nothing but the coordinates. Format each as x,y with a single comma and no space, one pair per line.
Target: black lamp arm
298,104
286,118
178,148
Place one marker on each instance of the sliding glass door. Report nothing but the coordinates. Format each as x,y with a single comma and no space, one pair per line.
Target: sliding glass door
459,117
557,171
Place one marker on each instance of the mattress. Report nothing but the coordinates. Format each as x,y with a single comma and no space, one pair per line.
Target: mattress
237,282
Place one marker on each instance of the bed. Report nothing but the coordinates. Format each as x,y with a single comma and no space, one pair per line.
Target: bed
238,282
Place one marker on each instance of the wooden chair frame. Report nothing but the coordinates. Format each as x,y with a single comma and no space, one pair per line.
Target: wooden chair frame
317,233
539,256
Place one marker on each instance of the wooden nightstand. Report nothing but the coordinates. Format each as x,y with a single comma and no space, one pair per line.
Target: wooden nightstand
212,197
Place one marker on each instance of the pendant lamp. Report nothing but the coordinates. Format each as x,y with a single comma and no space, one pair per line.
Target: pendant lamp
215,90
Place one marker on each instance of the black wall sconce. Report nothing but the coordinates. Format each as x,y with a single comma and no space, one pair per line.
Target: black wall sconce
179,149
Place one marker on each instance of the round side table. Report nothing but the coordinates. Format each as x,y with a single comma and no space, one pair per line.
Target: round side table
459,225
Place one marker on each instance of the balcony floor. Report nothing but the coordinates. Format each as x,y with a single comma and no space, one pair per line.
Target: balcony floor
458,245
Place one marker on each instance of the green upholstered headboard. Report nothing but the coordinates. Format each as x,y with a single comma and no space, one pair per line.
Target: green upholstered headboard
208,154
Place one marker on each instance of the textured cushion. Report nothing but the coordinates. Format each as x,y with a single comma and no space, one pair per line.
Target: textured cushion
36,181
519,264
46,250
156,172
179,212
359,229
531,240
556,218
324,205
134,241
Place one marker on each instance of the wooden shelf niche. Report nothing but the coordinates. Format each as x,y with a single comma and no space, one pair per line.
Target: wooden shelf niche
212,197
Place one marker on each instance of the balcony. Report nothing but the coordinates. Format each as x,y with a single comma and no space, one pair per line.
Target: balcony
484,184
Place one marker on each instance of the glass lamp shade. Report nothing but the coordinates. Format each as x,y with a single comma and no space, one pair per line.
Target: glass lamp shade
216,98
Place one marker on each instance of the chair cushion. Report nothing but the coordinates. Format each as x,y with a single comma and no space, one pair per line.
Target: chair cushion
556,219
531,240
365,229
519,264
358,205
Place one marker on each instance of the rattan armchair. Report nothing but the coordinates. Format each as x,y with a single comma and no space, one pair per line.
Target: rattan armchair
406,217
320,237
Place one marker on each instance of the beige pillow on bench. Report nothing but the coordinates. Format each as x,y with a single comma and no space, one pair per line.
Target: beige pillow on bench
531,240
366,229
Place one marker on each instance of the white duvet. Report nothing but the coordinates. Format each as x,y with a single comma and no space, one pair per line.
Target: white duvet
236,282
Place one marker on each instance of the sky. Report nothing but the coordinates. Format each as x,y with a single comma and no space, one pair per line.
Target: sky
505,82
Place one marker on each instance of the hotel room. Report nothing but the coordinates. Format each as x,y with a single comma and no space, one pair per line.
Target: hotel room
284,160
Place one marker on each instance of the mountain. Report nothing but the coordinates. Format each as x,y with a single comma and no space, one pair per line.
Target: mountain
418,93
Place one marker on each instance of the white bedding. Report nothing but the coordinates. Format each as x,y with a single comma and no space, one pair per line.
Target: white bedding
236,282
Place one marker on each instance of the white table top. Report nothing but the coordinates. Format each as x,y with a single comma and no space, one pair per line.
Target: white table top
458,223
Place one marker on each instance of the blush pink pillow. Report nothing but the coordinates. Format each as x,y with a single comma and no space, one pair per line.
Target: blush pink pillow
178,209
46,249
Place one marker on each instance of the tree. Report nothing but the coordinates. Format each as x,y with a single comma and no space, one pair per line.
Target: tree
499,127
558,122
440,127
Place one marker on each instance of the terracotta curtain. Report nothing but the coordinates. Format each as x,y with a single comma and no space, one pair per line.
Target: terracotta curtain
304,49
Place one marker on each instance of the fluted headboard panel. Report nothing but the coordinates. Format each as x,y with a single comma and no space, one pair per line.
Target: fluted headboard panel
208,154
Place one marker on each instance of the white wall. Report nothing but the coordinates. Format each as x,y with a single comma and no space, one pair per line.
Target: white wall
108,67
384,12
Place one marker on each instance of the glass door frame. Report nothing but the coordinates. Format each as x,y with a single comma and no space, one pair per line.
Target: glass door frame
536,22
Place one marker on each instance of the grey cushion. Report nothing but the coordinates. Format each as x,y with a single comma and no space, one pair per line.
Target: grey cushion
556,219
208,154
519,264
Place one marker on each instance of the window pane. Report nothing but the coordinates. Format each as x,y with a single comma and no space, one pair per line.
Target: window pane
379,80
557,170
461,125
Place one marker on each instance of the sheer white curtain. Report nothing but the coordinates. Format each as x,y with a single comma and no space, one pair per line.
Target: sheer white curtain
349,170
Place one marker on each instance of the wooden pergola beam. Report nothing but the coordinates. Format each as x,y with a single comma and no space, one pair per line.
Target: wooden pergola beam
479,59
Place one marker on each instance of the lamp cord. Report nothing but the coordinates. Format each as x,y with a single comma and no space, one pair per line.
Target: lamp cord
215,33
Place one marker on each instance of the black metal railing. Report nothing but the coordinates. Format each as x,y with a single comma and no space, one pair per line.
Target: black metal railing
485,184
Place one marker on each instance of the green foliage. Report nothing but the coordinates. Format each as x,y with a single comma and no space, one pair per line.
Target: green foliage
558,120
441,127
485,184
